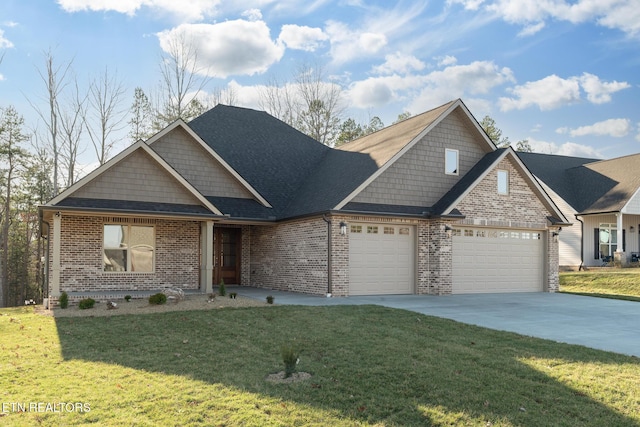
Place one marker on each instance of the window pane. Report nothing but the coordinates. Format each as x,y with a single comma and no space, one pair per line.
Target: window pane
115,260
451,162
503,182
115,236
142,243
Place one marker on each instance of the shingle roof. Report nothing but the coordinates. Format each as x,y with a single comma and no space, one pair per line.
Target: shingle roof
588,185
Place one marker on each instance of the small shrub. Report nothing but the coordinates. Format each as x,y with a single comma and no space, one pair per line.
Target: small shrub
269,299
158,299
86,303
127,298
233,295
222,291
64,300
290,357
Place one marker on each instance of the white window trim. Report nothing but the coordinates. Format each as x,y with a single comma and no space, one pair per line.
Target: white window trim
457,170
128,250
506,173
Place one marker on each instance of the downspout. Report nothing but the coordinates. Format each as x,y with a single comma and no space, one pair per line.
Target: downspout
329,278
45,264
581,242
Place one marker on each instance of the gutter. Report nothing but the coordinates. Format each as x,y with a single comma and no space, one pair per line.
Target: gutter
329,257
581,242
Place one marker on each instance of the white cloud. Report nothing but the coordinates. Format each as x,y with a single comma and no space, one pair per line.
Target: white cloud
348,44
302,37
554,92
236,47
616,128
531,29
4,43
623,15
193,10
548,93
252,14
426,90
565,149
399,63
599,92
447,60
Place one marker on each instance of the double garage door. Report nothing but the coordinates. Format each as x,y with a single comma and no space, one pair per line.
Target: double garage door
497,260
382,260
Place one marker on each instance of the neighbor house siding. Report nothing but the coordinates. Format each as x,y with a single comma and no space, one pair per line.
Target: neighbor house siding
290,256
418,178
138,177
633,205
177,256
591,222
198,166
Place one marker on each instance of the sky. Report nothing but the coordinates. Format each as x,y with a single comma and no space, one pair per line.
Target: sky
563,74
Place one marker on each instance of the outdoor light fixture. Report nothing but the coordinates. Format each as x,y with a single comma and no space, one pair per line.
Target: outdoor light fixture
631,229
343,228
555,235
448,230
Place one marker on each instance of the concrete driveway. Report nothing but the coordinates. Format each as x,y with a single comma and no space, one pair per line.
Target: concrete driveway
605,324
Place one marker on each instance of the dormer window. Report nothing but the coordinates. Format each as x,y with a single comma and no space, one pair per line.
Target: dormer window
451,161
503,182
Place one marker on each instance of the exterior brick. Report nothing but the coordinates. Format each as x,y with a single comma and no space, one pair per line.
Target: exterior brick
177,257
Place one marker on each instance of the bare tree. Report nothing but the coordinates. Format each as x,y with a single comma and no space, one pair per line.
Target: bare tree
279,100
54,77
226,96
183,80
72,124
104,113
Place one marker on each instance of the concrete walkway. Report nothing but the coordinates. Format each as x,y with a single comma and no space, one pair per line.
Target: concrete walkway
605,324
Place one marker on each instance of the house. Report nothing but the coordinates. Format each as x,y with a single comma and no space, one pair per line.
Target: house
603,196
425,206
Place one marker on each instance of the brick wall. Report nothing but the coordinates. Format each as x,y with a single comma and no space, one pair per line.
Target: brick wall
177,257
290,256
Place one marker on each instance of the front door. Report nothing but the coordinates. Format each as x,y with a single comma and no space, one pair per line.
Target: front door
226,255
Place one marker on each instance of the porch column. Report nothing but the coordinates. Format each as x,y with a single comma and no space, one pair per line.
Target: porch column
619,230
54,280
206,262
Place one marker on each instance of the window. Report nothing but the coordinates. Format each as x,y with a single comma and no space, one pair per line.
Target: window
451,162
608,239
356,229
404,231
372,229
129,248
389,230
456,232
503,182
468,233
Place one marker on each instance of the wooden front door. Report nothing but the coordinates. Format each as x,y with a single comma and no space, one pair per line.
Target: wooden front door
227,255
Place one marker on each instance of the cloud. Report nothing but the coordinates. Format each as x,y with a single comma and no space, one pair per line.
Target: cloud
348,44
192,10
447,60
236,47
548,93
554,92
4,43
638,135
426,90
399,63
616,128
565,149
302,37
623,15
252,14
599,92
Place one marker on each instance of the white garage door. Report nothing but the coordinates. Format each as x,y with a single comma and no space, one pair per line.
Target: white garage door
381,259
497,260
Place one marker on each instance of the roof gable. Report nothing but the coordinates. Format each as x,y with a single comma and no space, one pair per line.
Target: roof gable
388,146
136,174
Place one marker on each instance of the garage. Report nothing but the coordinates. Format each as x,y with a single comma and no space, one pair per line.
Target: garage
497,260
381,259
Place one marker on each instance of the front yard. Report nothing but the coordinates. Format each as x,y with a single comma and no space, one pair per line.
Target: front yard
369,366
620,283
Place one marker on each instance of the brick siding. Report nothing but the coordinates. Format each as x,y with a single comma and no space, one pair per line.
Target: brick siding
177,257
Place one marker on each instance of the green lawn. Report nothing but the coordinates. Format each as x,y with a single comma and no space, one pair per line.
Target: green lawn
370,366
619,283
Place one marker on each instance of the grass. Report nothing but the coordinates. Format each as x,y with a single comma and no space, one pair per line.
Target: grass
619,283
370,366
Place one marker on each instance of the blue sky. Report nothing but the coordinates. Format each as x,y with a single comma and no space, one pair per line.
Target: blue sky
563,74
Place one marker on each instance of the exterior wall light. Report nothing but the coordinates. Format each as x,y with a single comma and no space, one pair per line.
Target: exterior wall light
343,228
448,230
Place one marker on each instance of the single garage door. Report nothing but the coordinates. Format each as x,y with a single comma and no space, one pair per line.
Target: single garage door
497,260
381,259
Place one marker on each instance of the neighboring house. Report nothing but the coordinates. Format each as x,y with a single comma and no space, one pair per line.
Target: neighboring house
426,206
602,197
